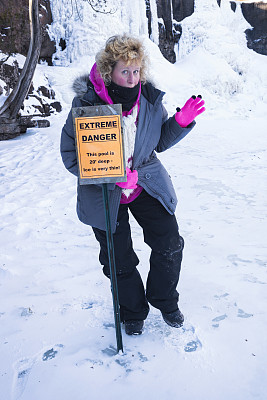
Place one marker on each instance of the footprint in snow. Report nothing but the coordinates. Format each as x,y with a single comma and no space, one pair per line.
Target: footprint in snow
23,367
22,371
129,360
218,319
183,339
49,354
243,314
240,314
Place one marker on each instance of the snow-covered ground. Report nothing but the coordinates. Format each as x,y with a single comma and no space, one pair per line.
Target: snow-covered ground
57,336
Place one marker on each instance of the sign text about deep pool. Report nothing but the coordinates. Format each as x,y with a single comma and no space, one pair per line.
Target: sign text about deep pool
101,161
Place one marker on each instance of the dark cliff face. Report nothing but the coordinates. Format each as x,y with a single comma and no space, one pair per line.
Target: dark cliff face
169,32
256,15
15,29
15,32
14,26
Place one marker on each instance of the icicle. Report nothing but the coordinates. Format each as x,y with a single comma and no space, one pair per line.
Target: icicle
137,17
154,22
143,30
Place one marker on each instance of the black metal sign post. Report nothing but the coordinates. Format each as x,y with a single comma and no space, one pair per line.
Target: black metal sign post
112,268
100,156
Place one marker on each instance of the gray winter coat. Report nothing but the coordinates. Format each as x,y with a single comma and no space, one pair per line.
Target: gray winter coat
155,133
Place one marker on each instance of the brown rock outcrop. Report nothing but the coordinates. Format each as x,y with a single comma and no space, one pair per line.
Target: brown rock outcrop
15,30
169,32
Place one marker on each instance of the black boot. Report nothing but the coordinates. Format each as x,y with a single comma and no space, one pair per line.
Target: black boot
174,319
134,327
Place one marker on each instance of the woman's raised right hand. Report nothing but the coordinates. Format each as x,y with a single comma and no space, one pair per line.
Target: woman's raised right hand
192,108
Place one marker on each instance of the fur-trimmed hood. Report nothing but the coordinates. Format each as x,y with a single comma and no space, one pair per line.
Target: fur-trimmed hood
81,84
93,81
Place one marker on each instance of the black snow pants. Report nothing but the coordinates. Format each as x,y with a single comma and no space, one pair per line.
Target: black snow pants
161,234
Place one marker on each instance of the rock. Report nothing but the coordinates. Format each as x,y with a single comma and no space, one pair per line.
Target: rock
15,33
46,92
257,40
43,94
56,105
48,46
233,5
42,123
167,41
182,9
11,128
10,75
169,32
15,29
256,15
45,108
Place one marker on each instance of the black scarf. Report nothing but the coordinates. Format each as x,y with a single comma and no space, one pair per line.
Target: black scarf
123,95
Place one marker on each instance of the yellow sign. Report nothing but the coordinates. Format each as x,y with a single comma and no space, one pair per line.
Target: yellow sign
99,147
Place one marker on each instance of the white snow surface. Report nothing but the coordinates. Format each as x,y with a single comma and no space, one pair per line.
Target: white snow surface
56,317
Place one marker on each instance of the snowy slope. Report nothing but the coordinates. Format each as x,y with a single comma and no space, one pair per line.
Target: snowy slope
57,330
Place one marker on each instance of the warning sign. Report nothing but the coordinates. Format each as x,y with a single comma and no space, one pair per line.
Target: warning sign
99,148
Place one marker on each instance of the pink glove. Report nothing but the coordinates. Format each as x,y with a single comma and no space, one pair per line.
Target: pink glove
132,178
192,108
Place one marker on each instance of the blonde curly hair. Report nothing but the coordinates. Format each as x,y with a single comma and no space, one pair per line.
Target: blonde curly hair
121,47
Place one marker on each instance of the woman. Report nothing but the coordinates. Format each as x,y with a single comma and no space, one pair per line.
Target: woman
119,76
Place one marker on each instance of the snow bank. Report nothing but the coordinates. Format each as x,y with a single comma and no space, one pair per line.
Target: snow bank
213,55
213,58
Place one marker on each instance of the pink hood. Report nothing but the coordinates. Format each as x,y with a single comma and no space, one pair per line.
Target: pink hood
102,91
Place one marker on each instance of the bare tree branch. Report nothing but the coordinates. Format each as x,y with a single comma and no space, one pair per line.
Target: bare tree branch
97,5
15,100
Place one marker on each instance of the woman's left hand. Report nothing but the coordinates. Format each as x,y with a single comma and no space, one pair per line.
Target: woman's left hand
132,178
192,108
